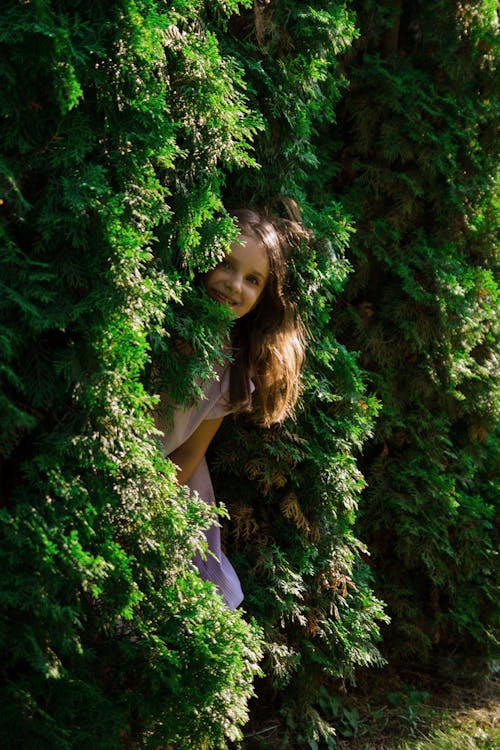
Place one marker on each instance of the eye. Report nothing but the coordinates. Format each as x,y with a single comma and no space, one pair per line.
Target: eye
253,280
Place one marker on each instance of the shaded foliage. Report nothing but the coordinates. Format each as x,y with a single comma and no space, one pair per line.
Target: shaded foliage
108,637
417,149
128,129
292,491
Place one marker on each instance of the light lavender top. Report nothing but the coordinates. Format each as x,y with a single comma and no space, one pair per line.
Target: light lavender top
215,566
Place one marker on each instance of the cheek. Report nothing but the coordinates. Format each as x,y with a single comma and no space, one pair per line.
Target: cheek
208,278
259,293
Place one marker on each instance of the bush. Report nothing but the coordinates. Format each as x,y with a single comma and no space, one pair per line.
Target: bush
415,140
108,637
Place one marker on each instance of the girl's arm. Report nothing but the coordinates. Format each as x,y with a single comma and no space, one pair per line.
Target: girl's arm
188,455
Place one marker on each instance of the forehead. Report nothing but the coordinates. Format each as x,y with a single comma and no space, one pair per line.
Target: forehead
251,252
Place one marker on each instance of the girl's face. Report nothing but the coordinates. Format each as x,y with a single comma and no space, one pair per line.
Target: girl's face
239,280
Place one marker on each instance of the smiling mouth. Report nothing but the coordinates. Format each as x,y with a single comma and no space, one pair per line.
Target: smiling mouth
223,299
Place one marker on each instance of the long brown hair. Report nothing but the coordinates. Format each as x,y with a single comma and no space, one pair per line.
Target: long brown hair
269,341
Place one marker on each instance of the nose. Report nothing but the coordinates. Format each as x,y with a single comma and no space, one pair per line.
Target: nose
234,282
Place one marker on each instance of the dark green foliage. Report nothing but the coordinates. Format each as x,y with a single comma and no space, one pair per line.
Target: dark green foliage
292,494
126,126
292,491
290,52
108,639
418,155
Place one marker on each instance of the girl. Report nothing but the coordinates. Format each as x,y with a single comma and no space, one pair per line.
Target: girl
267,347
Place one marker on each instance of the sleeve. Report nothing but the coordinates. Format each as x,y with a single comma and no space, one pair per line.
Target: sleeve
214,405
220,406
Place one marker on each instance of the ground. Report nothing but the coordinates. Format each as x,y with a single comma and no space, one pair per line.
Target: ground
401,710
415,711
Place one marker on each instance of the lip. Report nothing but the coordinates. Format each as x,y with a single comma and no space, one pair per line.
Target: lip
219,297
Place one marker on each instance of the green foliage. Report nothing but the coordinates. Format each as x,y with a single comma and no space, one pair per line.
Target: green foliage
129,128
469,738
290,54
108,637
292,491
416,145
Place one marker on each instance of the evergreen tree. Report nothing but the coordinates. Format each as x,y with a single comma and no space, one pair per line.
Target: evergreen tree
292,491
112,118
127,126
417,148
